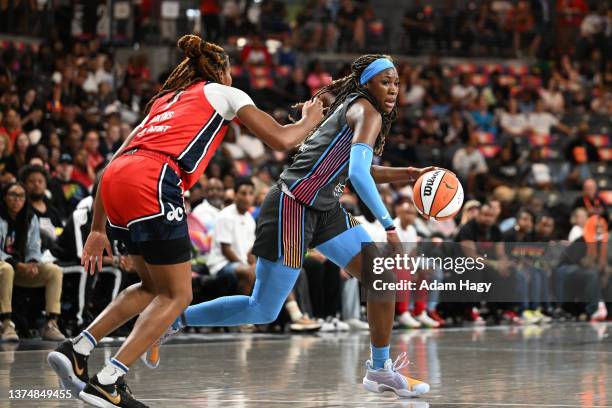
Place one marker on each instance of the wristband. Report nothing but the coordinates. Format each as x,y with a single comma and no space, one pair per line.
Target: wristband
390,228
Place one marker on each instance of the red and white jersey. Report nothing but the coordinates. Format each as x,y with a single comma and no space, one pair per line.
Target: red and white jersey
190,125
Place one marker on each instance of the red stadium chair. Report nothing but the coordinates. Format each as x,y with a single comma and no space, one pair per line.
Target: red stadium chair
606,196
605,153
480,80
488,69
489,151
486,138
599,140
540,140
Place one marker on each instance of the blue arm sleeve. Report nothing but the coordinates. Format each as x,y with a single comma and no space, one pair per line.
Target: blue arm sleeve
359,173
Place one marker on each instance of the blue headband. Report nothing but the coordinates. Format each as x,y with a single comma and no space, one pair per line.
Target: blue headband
374,69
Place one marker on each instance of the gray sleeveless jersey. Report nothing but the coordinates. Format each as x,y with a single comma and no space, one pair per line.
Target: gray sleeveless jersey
318,175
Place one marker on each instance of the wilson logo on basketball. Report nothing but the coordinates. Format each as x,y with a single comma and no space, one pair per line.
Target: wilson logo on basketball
428,189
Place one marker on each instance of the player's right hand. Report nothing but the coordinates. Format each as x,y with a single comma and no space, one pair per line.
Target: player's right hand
395,242
313,110
93,251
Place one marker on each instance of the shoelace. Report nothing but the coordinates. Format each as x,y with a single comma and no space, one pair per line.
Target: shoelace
123,387
401,361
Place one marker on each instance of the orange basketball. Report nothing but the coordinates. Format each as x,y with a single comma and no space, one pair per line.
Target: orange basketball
438,195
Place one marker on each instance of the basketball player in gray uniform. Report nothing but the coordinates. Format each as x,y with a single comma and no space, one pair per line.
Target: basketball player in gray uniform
303,211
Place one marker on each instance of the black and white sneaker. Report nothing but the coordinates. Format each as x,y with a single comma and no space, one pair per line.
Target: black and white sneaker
109,396
70,367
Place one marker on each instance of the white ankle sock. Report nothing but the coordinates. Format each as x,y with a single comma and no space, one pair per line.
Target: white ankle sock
84,343
112,371
294,310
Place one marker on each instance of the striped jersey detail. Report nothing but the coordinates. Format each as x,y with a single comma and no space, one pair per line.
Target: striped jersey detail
199,147
352,221
305,190
292,232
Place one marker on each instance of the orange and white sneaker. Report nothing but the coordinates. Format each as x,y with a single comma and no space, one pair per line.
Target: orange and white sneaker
151,357
390,379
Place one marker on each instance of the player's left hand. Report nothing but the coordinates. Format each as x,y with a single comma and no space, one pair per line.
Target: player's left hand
93,251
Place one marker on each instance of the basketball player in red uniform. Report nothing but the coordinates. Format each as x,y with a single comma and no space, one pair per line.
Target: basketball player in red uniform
141,194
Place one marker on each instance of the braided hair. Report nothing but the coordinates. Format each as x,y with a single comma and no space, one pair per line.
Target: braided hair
343,87
204,61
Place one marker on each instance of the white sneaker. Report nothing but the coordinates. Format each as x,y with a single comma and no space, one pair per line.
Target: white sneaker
529,317
601,314
357,324
543,318
340,325
389,379
427,321
326,326
407,321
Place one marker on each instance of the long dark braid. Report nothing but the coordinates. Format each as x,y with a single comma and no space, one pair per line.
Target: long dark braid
343,87
204,61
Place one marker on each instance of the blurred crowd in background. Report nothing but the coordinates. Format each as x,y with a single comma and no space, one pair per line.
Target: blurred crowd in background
528,138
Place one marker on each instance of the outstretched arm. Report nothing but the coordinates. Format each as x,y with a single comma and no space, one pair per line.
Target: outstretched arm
384,174
366,123
275,135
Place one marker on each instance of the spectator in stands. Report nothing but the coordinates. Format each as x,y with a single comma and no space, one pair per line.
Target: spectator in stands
66,191
552,97
317,29
457,130
34,179
351,27
210,11
430,129
469,163
317,77
20,235
233,239
482,237
584,261
508,166
235,22
91,144
512,122
110,143
540,122
255,53
591,199
82,171
578,219
207,211
419,25
521,23
7,327
482,118
469,211
18,158
463,92
411,92
11,124
273,18
523,252
4,153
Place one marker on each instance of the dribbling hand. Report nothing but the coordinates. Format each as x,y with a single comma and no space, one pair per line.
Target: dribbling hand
414,172
93,251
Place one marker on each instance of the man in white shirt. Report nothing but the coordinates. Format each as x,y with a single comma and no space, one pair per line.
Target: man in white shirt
541,122
208,210
233,239
406,215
